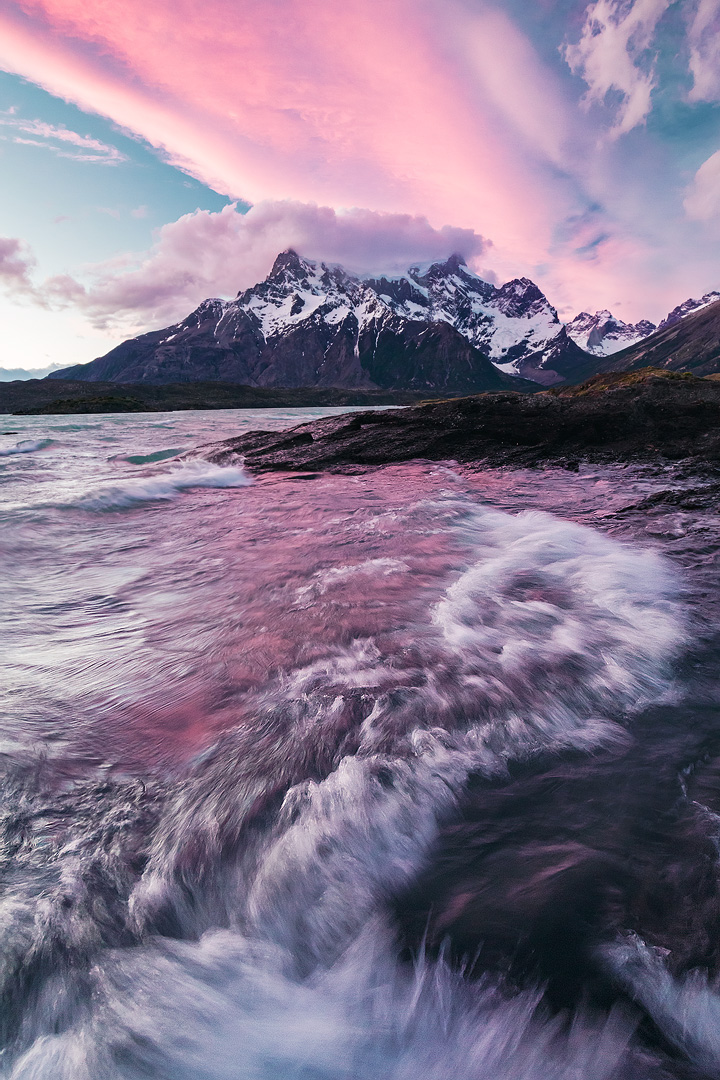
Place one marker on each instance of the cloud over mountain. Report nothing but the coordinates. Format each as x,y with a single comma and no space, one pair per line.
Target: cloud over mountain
216,254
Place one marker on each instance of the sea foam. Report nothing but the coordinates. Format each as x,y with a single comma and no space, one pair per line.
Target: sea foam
25,446
162,486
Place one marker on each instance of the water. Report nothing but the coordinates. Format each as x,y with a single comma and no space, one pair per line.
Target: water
411,771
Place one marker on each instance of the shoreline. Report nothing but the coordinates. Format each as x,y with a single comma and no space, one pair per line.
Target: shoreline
651,416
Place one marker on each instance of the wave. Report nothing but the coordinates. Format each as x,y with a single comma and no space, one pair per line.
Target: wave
243,921
551,638
25,446
225,1008
162,486
686,1009
150,459
324,580
555,620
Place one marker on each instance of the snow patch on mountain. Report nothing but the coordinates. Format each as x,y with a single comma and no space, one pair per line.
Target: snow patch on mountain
602,334
506,323
687,308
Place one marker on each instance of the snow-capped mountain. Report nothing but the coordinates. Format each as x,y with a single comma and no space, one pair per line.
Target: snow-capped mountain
687,308
310,324
307,324
602,334
438,327
505,323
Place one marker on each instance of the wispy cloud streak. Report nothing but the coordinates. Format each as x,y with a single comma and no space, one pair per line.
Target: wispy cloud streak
704,40
61,141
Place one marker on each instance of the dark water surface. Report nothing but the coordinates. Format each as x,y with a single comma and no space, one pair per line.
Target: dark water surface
412,772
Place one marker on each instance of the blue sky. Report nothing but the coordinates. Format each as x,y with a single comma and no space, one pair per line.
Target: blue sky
72,211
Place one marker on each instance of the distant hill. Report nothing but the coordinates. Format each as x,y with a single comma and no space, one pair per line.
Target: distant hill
46,396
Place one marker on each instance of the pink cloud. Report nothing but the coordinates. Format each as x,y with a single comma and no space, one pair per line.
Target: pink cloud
704,40
610,56
218,254
349,104
438,109
16,265
702,201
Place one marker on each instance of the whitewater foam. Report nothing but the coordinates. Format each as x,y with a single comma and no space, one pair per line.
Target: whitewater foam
162,486
236,922
558,620
369,745
25,446
225,1008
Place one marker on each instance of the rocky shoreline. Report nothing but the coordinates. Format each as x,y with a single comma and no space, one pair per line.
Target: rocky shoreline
646,416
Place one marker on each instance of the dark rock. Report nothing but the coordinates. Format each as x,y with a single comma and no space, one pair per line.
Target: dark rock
645,416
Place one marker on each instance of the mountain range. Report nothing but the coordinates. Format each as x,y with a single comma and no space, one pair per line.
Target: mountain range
437,328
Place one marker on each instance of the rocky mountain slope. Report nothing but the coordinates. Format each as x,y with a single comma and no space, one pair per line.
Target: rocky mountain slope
435,328
306,325
689,344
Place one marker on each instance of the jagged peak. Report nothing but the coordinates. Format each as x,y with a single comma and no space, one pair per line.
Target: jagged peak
213,305
440,268
521,287
289,261
452,264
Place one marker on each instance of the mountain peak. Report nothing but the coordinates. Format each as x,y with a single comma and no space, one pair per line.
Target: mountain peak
288,262
687,308
453,264
603,333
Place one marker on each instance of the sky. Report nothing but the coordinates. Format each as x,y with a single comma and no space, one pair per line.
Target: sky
156,153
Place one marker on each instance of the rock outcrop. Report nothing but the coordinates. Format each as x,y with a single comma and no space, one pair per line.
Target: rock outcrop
645,416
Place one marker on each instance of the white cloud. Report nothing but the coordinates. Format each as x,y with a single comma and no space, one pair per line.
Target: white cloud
704,40
62,141
614,55
218,254
702,201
